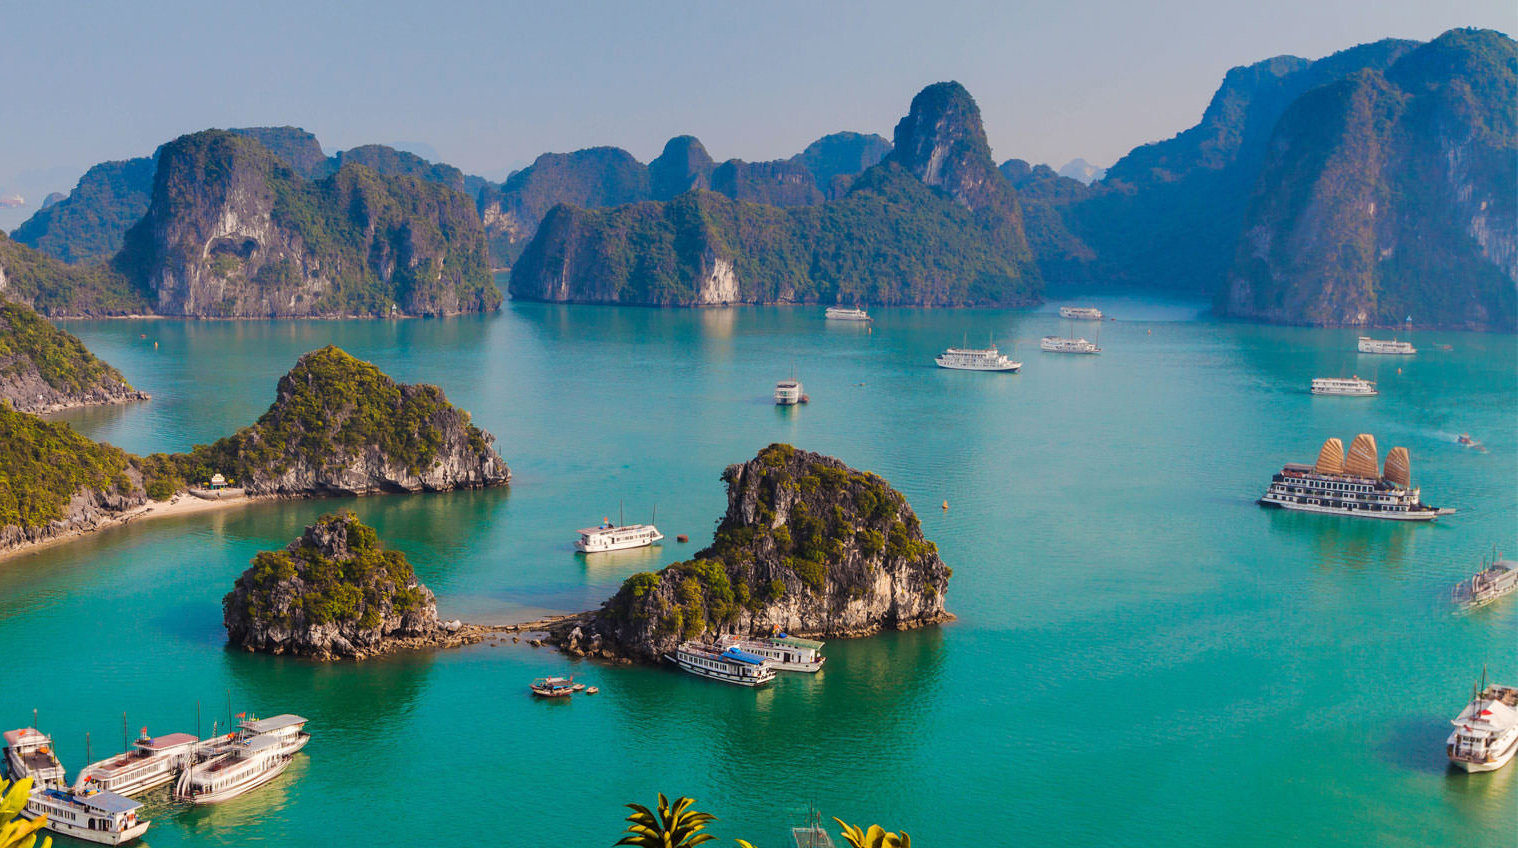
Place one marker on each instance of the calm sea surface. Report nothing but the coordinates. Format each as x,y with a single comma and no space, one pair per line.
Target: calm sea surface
1143,656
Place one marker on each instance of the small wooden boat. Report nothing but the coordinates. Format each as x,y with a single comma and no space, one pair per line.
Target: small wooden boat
553,687
592,690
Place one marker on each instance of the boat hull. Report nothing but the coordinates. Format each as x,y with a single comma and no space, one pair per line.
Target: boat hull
1493,764
99,837
231,792
137,787
1333,393
1389,515
712,674
1003,369
617,546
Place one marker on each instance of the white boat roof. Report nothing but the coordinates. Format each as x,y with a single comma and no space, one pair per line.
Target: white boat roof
268,725
258,743
1483,714
168,740
591,531
24,735
108,802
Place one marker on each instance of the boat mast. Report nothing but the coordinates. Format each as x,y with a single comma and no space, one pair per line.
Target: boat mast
126,735
87,757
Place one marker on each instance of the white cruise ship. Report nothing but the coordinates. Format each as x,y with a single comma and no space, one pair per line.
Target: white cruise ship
1084,313
242,765
1353,485
1350,387
786,653
29,753
1386,346
976,359
789,393
289,729
153,761
844,313
613,537
101,817
1059,344
1486,731
730,664
1495,579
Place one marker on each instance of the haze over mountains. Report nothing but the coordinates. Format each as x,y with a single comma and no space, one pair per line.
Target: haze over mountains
1311,191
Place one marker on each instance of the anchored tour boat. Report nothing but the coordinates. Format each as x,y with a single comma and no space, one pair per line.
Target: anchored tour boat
976,359
1386,346
242,765
553,687
788,392
616,537
786,653
153,761
730,664
844,313
1084,313
1351,387
1352,486
1493,581
1061,344
101,817
287,729
1486,731
29,753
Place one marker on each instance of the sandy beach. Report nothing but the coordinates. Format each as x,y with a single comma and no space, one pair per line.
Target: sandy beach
181,504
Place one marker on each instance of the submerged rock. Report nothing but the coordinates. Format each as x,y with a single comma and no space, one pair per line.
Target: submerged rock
335,592
808,545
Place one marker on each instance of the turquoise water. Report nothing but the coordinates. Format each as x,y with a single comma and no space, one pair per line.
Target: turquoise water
1143,656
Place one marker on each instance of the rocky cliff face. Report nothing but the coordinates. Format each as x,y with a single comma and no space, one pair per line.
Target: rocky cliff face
683,165
597,176
942,142
394,163
1389,195
703,248
808,545
89,224
298,149
233,232
341,426
778,183
335,592
44,369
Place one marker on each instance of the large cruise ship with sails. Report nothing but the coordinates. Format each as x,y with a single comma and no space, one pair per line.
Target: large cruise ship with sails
1352,485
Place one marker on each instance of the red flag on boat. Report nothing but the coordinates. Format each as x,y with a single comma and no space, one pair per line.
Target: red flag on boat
242,715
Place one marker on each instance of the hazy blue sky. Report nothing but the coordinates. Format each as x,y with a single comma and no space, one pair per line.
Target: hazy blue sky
491,85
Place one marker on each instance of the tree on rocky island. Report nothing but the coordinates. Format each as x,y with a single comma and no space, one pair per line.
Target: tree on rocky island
334,592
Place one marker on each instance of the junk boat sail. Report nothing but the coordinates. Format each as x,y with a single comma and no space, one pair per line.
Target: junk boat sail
240,765
1351,486
616,537
976,359
1487,585
1486,731
29,753
101,817
1386,346
1060,344
730,664
1352,387
843,313
786,653
153,761
1084,313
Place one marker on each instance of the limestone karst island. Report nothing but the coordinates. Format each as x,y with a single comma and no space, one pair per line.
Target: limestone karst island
783,427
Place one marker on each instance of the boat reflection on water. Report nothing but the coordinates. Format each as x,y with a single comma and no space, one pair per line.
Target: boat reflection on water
1338,543
628,560
233,820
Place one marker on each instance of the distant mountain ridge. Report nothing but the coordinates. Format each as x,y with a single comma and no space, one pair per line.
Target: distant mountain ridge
934,224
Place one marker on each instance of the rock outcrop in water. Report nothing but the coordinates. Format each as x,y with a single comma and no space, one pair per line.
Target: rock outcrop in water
44,369
808,545
335,592
340,426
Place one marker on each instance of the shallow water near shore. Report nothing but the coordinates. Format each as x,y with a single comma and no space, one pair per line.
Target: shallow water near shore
1143,656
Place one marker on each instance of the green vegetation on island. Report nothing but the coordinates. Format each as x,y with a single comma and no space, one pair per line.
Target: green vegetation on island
57,289
44,464
41,366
